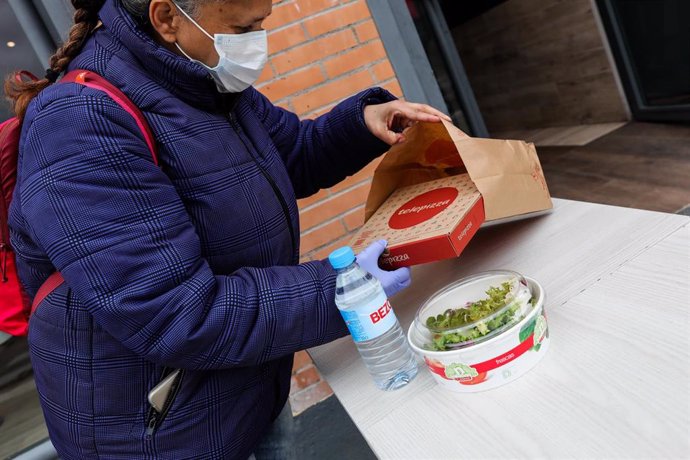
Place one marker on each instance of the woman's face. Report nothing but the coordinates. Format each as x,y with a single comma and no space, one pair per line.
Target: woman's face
215,16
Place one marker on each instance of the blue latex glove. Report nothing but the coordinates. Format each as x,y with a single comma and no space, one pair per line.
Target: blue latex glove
392,281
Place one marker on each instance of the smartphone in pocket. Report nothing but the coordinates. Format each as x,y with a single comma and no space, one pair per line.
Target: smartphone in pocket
159,395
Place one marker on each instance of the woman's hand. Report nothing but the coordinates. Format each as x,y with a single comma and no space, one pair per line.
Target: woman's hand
392,281
388,121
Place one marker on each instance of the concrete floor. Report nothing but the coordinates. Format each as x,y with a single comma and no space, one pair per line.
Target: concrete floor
325,431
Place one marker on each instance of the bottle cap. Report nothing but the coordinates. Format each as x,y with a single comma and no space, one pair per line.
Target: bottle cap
341,257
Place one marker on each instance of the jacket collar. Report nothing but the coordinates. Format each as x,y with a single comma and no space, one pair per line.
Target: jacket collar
187,80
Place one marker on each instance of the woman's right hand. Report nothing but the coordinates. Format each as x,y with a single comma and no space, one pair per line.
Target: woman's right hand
392,281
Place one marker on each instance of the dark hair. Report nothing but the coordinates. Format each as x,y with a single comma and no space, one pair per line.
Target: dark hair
20,92
139,9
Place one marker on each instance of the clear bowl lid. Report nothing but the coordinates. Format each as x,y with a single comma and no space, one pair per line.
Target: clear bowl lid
473,310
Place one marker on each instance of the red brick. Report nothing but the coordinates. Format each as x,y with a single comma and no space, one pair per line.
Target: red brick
366,31
282,15
302,360
383,71
354,219
333,207
304,379
310,7
323,252
320,195
302,79
332,92
394,87
266,74
355,58
317,113
313,51
306,398
337,18
317,238
340,26
286,38
363,174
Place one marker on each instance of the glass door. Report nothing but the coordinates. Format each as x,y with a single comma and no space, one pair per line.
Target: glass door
650,40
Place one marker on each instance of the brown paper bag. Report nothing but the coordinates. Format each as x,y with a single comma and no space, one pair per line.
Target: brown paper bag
506,172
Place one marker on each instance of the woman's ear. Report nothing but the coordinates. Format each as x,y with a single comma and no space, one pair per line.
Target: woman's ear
164,19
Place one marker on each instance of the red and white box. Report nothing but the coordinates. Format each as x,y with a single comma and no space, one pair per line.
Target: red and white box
430,194
425,222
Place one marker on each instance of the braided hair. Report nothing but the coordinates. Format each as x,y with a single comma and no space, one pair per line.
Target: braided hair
20,92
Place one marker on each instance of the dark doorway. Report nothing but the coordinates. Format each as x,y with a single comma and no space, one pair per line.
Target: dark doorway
529,64
430,21
650,40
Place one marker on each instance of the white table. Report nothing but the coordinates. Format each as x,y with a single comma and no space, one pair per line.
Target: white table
616,379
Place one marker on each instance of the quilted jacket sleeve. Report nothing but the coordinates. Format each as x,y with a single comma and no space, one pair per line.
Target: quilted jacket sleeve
320,153
114,226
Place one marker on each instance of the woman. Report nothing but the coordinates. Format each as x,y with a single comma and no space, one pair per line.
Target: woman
190,265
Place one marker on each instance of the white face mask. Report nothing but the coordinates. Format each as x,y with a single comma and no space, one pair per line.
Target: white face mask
242,57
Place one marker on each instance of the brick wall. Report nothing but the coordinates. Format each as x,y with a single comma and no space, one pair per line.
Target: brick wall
322,51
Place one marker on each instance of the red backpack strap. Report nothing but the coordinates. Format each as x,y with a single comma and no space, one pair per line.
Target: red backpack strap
46,288
93,80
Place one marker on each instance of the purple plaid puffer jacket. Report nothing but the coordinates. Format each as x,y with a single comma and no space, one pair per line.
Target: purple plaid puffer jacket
192,265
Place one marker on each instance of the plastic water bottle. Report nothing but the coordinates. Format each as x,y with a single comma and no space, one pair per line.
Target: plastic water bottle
372,323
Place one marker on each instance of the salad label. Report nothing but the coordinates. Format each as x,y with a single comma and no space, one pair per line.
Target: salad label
370,320
540,329
507,357
460,371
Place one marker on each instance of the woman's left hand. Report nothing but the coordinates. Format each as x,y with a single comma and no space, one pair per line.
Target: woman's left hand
388,121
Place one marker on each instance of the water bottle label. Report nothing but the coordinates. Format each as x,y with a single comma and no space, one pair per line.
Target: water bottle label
371,320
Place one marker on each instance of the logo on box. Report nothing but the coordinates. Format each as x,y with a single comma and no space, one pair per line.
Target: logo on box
423,207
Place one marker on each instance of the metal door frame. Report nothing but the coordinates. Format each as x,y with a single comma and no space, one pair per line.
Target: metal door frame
410,62
45,23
